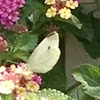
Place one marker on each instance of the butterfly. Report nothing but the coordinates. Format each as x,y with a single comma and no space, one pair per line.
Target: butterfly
46,54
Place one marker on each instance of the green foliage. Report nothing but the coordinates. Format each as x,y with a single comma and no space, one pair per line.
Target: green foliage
19,46
56,78
49,94
29,7
89,76
78,94
93,46
97,3
5,97
76,21
34,17
32,96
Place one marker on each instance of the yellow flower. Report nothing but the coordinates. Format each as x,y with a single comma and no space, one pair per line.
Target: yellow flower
71,4
32,86
13,67
51,12
21,91
27,75
65,13
23,72
49,2
6,87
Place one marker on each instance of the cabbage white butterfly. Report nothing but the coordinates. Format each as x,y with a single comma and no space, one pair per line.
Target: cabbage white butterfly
46,54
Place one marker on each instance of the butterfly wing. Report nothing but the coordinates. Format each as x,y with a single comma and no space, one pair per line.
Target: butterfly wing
46,55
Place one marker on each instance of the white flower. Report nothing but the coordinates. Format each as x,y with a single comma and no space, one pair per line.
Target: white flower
6,87
2,69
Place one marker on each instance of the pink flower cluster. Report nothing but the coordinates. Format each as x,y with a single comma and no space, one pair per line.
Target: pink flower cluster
18,80
3,44
9,11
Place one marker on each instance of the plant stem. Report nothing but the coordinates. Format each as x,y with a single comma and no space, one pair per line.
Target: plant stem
72,87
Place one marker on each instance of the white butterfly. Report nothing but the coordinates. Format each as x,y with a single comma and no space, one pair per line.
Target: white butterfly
46,54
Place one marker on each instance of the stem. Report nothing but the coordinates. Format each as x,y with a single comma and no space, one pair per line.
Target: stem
87,3
72,87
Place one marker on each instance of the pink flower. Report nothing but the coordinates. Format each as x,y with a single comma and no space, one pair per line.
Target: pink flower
37,79
16,83
20,3
9,12
14,16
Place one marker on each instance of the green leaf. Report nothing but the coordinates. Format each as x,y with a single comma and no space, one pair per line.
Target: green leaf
5,97
93,46
32,96
34,16
28,9
48,94
73,21
25,42
78,94
3,56
20,55
97,3
76,22
89,76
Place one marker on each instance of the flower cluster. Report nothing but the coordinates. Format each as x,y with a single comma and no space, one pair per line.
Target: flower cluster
18,28
9,11
17,80
61,7
3,44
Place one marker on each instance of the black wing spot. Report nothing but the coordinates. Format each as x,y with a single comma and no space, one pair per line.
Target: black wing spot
48,47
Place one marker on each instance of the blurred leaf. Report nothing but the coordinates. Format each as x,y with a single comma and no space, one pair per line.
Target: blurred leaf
76,21
5,97
55,78
28,9
32,96
3,56
34,16
97,3
93,46
49,94
73,21
78,94
53,94
89,76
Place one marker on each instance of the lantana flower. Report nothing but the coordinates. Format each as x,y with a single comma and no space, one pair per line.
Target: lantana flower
9,12
65,13
49,2
32,86
60,7
72,4
51,12
6,87
18,80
